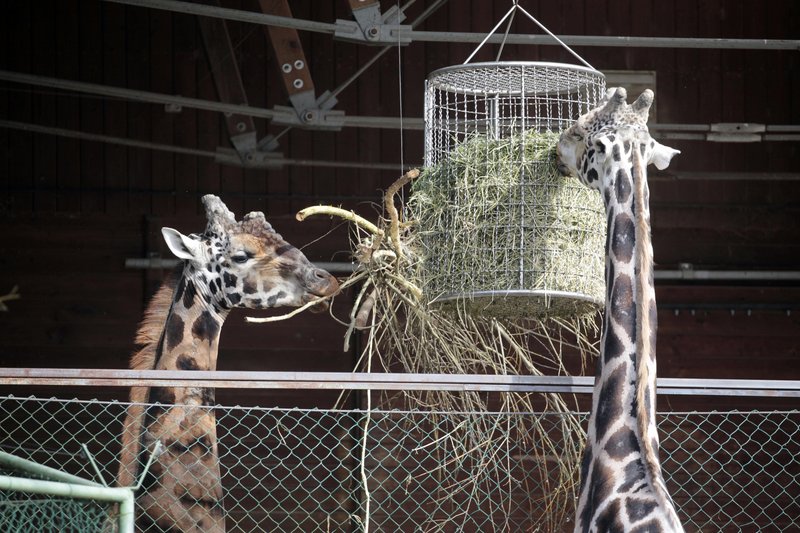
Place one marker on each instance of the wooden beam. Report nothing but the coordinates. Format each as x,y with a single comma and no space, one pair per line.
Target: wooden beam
228,80
289,55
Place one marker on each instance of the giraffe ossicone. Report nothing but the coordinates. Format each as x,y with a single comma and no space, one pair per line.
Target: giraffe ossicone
231,264
622,486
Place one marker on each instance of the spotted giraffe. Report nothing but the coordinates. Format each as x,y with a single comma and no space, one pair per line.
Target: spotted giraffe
622,487
232,264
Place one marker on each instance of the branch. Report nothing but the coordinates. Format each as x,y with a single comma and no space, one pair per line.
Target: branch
388,200
13,295
341,213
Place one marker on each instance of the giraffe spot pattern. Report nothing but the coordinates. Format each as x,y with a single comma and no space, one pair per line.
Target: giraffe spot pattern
162,395
615,153
173,331
652,526
621,444
638,508
230,279
591,175
189,294
608,521
612,346
623,312
623,185
186,362
609,404
633,475
623,238
249,287
600,487
205,327
234,298
272,299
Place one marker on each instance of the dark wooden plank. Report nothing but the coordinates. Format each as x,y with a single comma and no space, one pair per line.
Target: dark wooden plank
186,52
45,164
162,65
20,144
137,39
67,110
115,111
91,68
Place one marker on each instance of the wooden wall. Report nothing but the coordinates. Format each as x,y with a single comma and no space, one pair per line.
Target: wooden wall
71,211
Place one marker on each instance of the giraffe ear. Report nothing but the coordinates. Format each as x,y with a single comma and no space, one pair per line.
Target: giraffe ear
182,246
662,155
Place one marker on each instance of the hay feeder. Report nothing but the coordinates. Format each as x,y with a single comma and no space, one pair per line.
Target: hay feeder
501,232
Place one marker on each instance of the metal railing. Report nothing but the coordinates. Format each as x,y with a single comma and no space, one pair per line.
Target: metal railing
409,470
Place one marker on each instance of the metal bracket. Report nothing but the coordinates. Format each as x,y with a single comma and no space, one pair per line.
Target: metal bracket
307,112
736,132
262,154
372,27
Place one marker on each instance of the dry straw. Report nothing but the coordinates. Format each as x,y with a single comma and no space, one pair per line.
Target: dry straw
402,331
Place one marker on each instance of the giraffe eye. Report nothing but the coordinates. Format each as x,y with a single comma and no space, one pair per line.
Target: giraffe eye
240,257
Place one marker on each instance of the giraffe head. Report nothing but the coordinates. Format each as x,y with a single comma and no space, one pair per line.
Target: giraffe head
247,263
598,140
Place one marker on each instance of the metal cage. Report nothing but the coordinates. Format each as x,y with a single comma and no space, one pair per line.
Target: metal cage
526,243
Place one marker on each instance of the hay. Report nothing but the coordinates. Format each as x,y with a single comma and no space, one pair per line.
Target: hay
496,215
404,332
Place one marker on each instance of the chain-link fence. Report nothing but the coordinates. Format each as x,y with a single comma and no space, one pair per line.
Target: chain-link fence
388,471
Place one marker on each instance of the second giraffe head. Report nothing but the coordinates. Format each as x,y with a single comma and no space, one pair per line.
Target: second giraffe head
599,140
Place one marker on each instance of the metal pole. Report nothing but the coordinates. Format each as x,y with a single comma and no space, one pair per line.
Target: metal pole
124,497
469,37
190,8
377,381
135,95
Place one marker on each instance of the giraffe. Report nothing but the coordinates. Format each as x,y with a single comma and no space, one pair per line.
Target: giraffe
622,487
232,264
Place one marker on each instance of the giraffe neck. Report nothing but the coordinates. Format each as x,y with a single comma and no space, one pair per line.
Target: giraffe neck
189,340
182,490
621,480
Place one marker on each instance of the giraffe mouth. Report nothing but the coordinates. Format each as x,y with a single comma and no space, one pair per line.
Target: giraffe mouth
320,307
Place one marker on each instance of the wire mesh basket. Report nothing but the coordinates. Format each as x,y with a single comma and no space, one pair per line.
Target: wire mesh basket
501,232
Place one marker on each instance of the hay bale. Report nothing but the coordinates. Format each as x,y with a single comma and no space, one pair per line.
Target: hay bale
503,233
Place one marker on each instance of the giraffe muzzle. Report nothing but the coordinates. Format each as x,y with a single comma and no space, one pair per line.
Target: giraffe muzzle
320,284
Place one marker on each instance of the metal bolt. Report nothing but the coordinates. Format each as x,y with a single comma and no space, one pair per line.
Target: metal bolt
309,116
298,83
286,67
299,64
241,126
373,32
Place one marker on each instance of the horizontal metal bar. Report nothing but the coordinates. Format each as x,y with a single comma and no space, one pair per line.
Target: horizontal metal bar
134,95
68,490
171,148
13,462
730,275
469,37
604,40
377,381
689,131
238,15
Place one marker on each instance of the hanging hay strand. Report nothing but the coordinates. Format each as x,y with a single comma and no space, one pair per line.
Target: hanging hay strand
501,232
402,331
